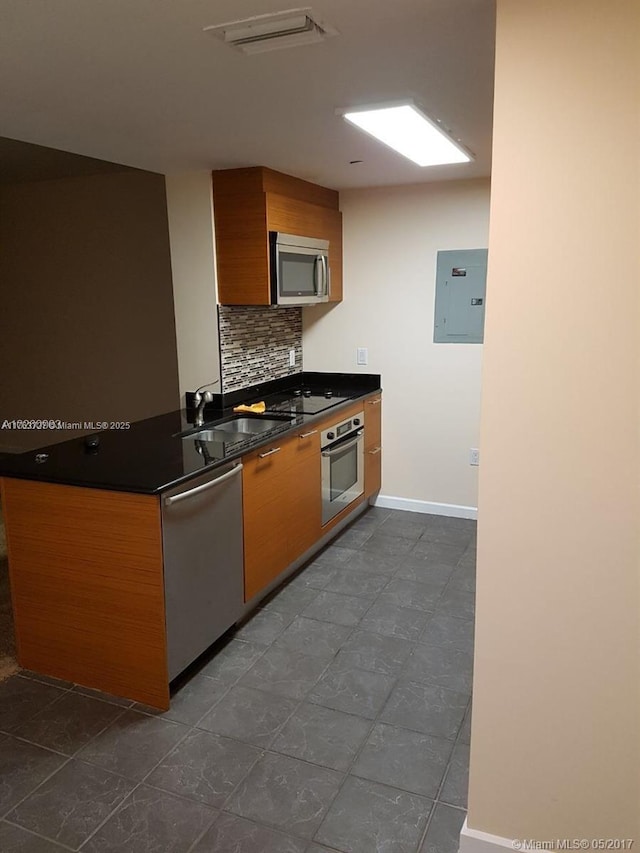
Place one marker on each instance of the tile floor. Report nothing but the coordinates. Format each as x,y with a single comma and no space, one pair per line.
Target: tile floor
335,719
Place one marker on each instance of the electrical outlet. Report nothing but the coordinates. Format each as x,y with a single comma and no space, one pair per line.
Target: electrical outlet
362,355
292,358
474,456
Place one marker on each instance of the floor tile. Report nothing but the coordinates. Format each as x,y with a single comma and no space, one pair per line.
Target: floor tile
249,715
104,697
457,602
404,759
232,834
285,672
354,536
465,728
376,514
419,568
150,821
393,621
348,581
464,578
71,805
286,793
410,525
415,595
190,702
291,599
232,661
441,665
68,724
443,835
14,839
312,637
425,708
46,679
388,546
204,767
456,785
23,766
322,736
469,559
372,562
373,652
449,632
438,553
352,691
22,698
133,744
316,575
443,536
263,627
367,817
339,609
334,556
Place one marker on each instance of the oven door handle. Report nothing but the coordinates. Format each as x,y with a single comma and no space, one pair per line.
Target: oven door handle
343,445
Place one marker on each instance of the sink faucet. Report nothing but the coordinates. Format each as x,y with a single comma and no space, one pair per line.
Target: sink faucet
200,400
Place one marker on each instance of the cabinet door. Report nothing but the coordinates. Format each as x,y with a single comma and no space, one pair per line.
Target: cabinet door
242,247
267,526
305,492
372,445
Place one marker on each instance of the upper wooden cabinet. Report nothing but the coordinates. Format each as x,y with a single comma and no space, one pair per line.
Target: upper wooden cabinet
248,203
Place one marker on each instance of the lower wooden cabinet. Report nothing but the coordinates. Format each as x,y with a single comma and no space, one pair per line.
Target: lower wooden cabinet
281,505
372,445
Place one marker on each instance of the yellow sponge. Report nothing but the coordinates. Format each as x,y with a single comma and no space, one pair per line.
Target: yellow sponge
255,408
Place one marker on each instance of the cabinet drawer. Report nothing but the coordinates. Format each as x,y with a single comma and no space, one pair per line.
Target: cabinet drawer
272,457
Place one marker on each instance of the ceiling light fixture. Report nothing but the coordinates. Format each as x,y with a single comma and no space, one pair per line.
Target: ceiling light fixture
406,129
274,31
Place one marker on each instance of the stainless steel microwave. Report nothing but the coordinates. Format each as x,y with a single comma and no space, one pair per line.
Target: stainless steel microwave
299,269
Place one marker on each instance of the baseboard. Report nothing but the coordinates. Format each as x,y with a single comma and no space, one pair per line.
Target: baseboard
429,507
476,841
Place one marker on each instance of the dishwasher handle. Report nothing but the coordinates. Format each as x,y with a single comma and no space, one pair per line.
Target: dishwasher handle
172,499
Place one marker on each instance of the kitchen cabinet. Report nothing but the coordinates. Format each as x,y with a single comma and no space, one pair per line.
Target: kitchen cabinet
281,506
87,587
122,591
372,444
248,203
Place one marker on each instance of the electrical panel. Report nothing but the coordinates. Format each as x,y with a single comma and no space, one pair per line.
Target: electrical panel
461,281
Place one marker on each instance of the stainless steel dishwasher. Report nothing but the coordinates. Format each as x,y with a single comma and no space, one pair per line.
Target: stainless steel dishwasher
203,562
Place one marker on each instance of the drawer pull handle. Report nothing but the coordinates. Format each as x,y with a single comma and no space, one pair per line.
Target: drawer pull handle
375,402
269,452
375,451
307,434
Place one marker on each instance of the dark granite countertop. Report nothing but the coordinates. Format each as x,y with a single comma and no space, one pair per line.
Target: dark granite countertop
151,456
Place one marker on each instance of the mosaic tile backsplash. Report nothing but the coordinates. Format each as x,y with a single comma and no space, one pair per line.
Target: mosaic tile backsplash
255,344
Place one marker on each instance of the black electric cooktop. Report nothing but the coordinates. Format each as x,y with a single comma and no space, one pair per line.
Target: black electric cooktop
303,401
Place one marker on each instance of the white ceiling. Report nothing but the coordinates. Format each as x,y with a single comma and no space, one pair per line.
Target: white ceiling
137,82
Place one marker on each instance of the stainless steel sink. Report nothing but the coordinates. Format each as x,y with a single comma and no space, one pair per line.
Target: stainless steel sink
236,428
252,426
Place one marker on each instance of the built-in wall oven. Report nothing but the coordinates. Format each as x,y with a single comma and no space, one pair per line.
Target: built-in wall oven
342,465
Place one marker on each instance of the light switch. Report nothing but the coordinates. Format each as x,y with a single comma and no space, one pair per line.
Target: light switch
362,355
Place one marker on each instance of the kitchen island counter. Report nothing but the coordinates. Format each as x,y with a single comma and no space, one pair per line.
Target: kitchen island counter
151,456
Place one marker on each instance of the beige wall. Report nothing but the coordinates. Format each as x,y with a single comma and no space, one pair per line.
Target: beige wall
554,748
86,318
189,205
431,391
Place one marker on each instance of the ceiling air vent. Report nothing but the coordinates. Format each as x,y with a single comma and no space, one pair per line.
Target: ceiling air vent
274,31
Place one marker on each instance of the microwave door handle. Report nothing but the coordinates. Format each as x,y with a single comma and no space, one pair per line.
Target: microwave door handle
318,272
325,276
